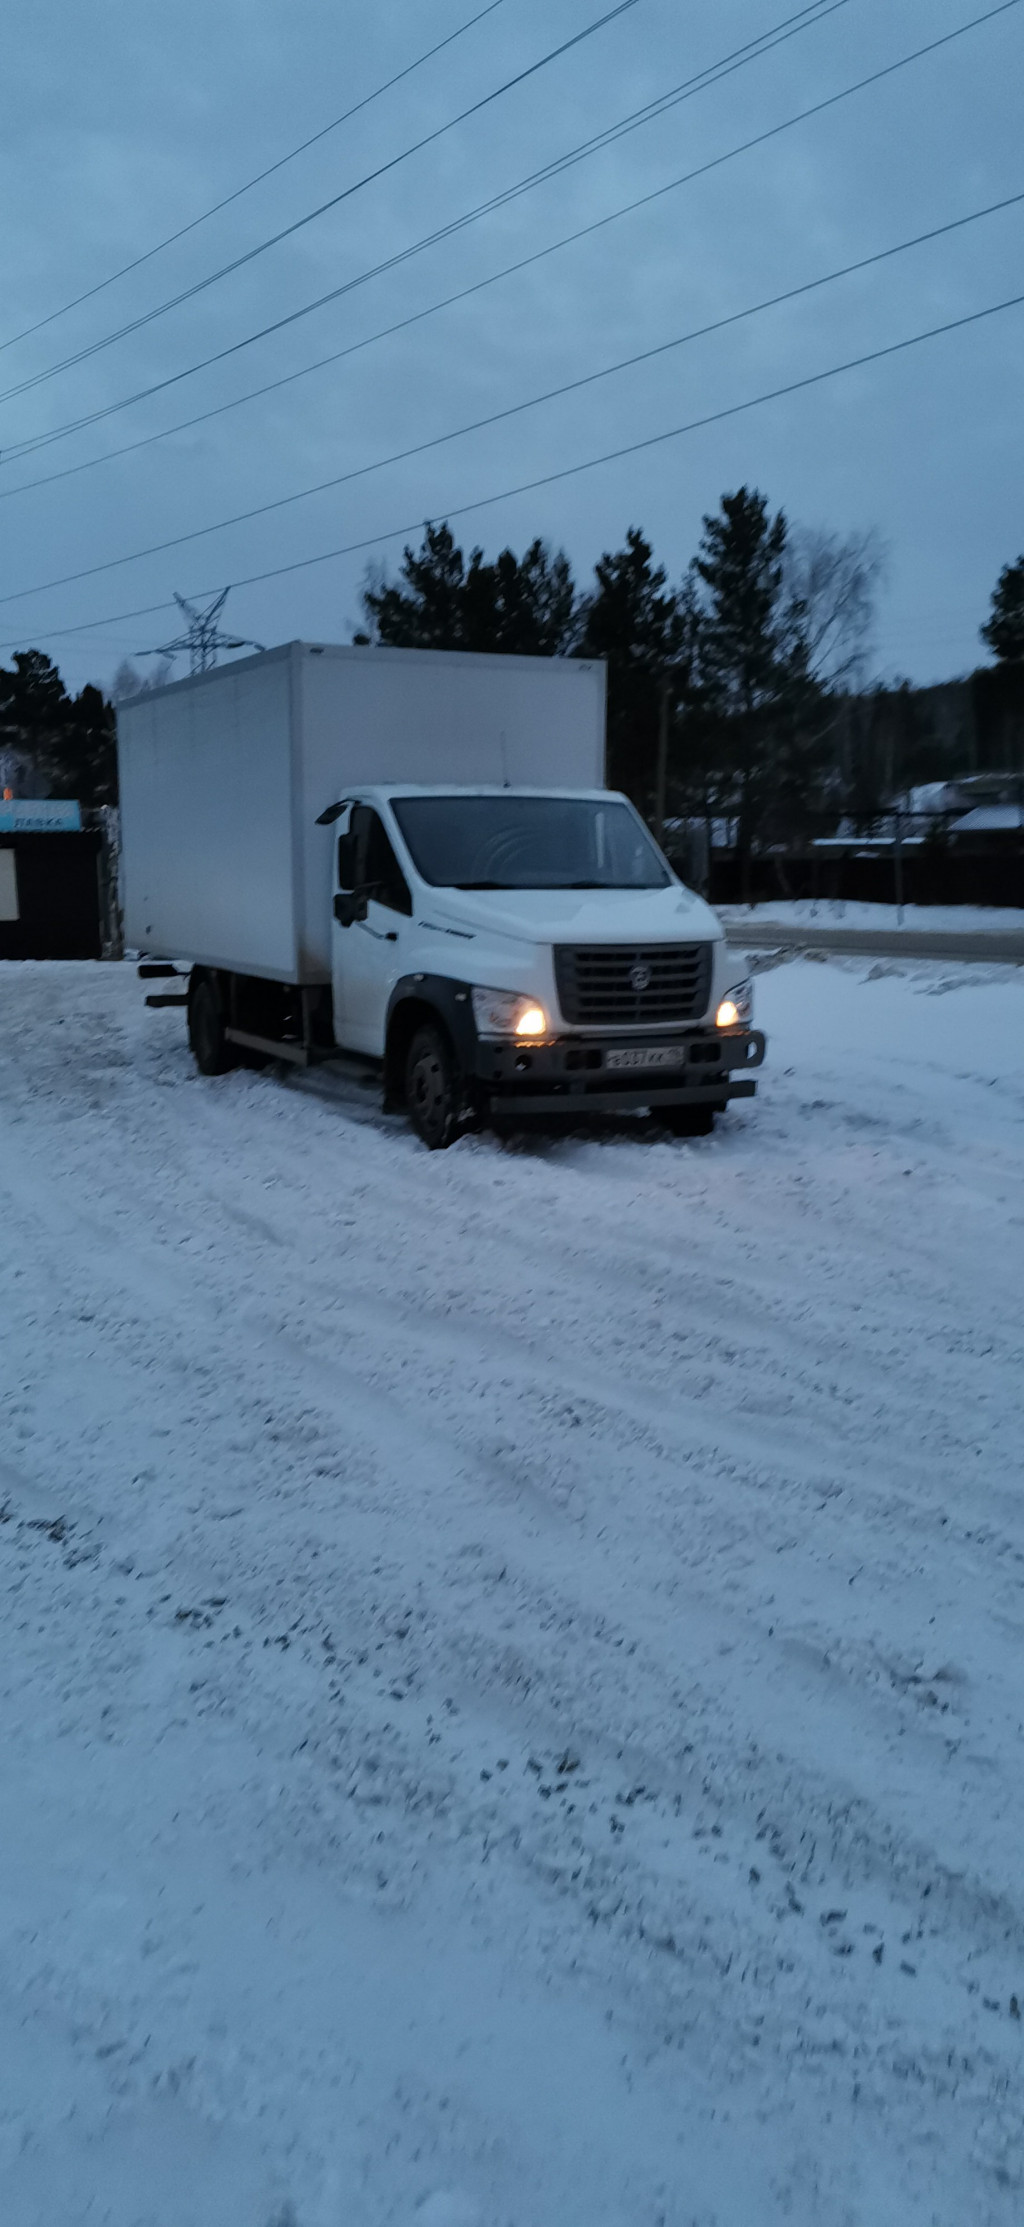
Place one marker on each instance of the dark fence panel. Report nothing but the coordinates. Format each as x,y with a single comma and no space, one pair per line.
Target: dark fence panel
58,887
929,877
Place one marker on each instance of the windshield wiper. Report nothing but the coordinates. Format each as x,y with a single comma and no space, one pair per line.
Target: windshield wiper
533,887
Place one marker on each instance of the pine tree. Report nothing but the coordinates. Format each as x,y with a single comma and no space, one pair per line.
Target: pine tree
68,741
33,714
427,611
532,602
522,606
1004,628
746,636
85,764
753,664
639,624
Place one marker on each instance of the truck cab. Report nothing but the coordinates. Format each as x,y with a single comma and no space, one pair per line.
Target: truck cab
508,952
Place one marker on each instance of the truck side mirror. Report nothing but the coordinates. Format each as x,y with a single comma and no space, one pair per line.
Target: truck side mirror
349,906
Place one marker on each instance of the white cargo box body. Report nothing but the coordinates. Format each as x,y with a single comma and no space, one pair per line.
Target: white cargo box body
223,778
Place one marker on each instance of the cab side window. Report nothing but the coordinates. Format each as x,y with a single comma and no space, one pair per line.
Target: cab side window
366,860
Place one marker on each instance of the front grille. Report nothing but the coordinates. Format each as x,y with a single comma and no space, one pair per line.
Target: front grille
602,985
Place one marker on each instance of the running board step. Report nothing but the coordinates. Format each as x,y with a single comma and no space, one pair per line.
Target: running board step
274,1047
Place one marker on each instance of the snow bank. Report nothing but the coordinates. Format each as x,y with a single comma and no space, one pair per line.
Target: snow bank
510,1660
836,913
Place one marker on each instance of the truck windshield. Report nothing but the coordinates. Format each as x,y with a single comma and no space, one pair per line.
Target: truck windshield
528,842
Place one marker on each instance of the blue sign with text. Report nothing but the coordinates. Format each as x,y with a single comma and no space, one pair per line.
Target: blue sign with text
39,816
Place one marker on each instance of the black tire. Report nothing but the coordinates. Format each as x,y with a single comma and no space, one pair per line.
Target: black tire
432,1093
690,1121
211,1051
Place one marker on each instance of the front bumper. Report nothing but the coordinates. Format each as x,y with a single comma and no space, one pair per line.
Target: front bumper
570,1074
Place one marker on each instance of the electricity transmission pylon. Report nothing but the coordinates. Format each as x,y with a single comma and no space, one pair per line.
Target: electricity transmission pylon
202,637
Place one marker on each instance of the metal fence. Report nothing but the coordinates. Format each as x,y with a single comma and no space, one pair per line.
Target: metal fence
973,857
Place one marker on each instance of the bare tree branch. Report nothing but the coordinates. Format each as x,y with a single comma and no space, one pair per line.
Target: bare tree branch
833,581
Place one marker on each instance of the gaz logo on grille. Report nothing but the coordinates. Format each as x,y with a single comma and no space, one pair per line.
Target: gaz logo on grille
640,977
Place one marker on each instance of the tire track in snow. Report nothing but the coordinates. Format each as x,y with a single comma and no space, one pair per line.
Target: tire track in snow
547,1644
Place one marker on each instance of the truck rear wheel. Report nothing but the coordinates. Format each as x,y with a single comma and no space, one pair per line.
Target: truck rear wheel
211,1051
432,1088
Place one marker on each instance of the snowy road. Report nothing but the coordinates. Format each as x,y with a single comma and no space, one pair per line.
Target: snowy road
511,1661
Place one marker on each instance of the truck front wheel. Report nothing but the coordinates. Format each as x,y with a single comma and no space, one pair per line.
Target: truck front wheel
211,1051
432,1088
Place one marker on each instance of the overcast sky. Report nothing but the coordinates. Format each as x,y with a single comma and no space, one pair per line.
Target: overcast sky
122,123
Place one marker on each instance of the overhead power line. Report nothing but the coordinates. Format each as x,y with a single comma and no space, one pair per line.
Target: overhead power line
752,51
272,167
525,487
545,479
31,447
370,177
712,74
549,479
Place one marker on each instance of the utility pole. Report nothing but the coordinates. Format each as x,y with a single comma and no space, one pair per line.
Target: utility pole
896,819
661,774
202,638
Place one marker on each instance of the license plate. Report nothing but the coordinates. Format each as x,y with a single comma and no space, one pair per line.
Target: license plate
646,1055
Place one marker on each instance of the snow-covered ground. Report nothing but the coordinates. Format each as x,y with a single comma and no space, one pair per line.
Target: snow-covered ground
511,1660
835,912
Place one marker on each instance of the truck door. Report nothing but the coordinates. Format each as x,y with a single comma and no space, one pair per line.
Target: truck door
373,910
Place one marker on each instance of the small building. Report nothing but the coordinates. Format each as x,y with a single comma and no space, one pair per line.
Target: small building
53,898
989,820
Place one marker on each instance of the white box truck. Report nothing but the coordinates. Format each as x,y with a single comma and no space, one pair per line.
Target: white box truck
408,857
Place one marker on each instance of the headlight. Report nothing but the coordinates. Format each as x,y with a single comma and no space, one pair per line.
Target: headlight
508,1013
736,1007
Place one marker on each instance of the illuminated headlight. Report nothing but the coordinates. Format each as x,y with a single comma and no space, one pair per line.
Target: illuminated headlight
736,1007
507,1013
